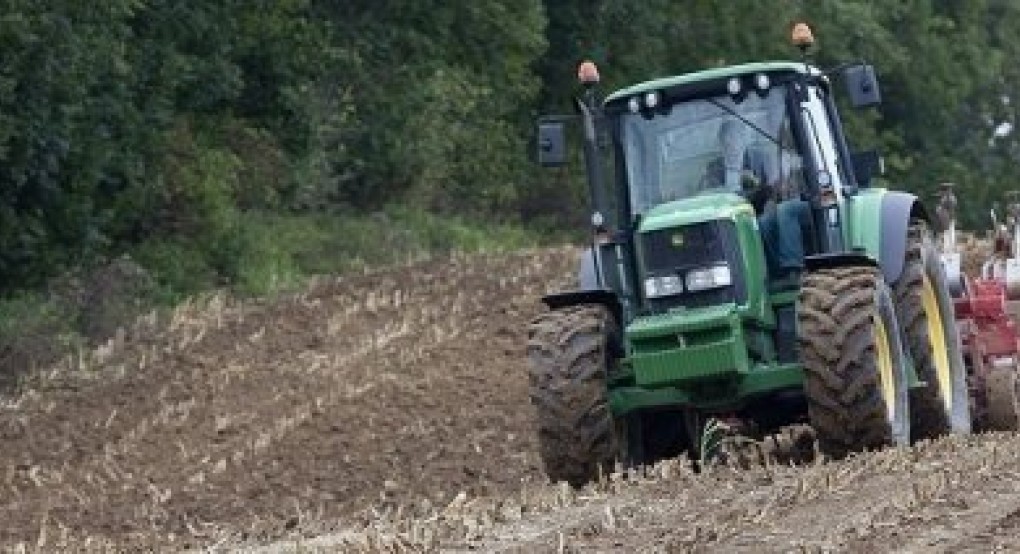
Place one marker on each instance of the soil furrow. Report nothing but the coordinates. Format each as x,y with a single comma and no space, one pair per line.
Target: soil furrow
390,410
356,393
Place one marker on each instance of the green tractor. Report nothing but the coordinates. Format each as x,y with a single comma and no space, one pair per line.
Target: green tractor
742,268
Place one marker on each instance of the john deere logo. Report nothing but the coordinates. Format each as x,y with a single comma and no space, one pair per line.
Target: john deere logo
677,240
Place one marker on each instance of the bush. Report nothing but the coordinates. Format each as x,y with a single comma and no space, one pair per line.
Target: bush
180,267
35,331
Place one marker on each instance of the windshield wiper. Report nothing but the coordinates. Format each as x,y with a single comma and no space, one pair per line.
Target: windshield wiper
746,121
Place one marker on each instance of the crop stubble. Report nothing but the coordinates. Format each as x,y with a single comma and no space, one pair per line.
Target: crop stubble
336,411
256,417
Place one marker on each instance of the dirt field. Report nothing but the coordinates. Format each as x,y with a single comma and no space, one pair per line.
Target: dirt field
390,411
255,418
954,495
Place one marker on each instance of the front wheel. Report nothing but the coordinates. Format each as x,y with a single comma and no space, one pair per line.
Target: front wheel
855,381
569,356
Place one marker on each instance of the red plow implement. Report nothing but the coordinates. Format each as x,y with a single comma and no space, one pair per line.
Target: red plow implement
987,306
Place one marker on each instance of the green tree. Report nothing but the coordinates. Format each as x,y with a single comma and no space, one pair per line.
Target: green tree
439,99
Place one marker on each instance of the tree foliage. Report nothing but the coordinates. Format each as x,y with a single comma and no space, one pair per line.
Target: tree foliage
127,122
946,71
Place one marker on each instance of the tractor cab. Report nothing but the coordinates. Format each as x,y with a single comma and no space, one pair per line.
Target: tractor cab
758,135
762,133
701,134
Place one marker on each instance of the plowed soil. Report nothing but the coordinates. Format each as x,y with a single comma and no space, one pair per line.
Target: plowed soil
257,417
389,411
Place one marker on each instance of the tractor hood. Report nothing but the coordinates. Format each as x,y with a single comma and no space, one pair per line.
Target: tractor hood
705,207
722,224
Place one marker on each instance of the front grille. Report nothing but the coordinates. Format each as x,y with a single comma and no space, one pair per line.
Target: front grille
683,248
678,250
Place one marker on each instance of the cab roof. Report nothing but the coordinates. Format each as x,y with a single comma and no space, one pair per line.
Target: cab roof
714,73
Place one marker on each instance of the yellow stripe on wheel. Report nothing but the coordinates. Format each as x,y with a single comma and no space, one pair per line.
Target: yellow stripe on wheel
937,339
885,367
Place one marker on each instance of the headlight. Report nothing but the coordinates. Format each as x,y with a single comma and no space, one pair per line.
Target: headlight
709,278
666,285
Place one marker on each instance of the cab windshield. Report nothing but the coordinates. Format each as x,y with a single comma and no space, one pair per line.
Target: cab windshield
710,145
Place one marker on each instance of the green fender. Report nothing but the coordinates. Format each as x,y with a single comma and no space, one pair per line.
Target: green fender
877,221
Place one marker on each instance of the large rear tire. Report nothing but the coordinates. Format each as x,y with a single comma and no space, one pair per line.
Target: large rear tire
925,310
569,352
853,363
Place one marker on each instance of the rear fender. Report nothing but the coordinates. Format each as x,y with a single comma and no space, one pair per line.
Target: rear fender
878,223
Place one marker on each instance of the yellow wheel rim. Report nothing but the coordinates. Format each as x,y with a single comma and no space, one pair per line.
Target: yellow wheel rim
937,339
885,366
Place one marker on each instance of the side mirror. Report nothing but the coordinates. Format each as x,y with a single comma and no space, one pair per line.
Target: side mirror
867,165
862,86
552,150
